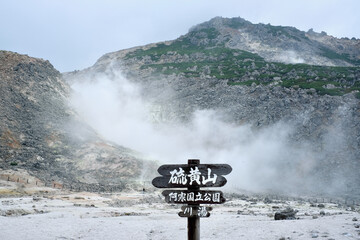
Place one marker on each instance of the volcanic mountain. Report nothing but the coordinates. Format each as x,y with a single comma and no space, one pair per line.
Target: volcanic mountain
258,75
258,80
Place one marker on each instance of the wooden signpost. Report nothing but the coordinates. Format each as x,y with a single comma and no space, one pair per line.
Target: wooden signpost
193,176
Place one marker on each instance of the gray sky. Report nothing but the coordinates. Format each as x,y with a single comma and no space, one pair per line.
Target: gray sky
73,34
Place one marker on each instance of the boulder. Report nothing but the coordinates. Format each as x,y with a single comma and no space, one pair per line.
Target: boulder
287,214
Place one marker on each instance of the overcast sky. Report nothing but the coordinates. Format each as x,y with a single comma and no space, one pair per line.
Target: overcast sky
73,34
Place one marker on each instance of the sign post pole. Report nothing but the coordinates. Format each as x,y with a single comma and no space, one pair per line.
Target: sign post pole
194,228
194,222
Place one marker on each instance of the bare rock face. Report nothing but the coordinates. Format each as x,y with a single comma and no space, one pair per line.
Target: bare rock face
40,133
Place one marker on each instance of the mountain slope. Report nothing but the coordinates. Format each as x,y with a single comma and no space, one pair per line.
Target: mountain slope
215,49
41,134
233,67
276,43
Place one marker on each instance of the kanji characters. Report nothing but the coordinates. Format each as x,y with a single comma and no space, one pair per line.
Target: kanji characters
202,212
188,210
173,195
195,175
191,196
178,177
209,179
216,197
198,196
182,197
207,197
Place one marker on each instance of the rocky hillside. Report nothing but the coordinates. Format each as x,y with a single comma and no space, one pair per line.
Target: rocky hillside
259,75
216,49
278,43
41,134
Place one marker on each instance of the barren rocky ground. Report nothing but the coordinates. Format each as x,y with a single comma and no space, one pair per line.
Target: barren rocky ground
48,213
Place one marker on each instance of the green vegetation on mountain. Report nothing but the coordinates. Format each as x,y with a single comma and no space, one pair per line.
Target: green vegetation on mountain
333,55
244,68
210,50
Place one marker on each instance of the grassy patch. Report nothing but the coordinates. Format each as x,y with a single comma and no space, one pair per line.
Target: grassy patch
326,52
280,30
7,192
357,95
210,33
235,23
245,83
317,85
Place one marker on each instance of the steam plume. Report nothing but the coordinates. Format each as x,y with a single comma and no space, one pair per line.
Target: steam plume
262,160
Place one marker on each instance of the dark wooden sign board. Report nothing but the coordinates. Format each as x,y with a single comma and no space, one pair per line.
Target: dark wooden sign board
165,182
195,211
218,169
193,176
193,197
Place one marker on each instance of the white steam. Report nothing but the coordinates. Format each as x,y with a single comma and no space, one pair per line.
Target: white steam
261,159
289,57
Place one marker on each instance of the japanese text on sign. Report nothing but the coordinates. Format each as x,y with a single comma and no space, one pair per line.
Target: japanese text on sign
192,197
194,176
201,211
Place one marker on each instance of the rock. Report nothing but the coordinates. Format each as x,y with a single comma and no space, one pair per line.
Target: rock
354,219
329,86
351,208
14,212
287,214
314,234
267,200
325,234
36,199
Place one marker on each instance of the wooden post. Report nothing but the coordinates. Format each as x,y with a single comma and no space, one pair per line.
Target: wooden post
194,222
193,228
